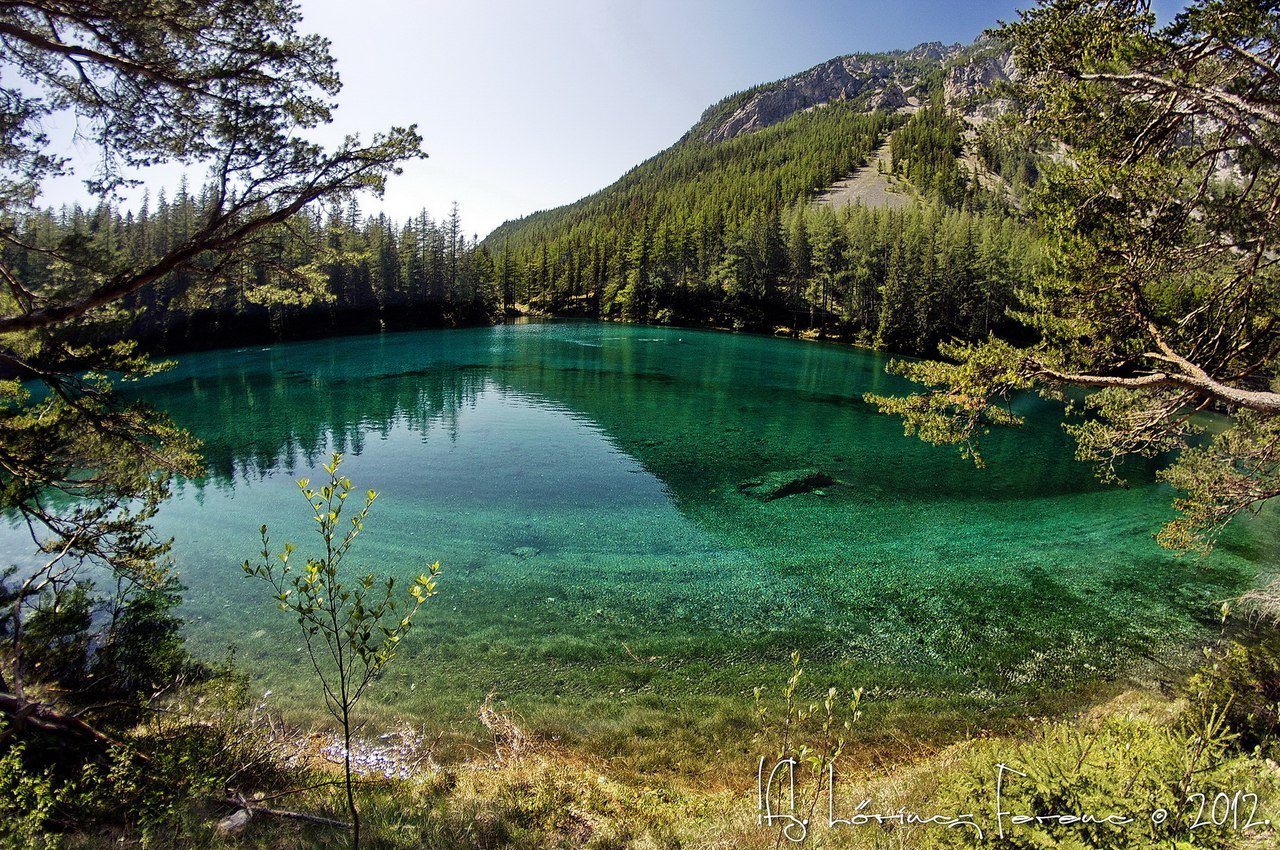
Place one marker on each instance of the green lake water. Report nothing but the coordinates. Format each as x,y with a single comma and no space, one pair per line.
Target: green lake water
579,483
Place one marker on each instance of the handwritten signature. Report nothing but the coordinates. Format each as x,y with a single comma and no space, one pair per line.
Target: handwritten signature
778,806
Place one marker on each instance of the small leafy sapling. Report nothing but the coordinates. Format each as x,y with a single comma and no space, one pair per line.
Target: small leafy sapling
811,739
351,625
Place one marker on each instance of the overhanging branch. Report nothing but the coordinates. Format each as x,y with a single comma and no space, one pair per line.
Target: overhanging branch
1203,385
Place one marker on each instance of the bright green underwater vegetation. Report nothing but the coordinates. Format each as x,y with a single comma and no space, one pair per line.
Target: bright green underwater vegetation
604,574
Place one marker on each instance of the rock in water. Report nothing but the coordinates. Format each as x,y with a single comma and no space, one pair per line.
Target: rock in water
776,485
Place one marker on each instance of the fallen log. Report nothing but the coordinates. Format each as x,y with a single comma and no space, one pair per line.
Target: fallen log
790,482
24,713
253,809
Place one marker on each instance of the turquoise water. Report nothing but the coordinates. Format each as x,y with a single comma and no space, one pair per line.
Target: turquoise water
580,483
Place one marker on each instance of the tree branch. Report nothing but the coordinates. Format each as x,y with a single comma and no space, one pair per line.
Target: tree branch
1261,401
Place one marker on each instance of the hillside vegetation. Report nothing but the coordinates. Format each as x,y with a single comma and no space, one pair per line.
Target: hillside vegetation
721,229
323,271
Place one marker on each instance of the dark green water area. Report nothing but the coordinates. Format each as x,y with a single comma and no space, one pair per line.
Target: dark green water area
638,525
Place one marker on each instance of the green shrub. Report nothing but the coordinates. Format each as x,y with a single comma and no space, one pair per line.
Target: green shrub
1243,683
1124,766
27,802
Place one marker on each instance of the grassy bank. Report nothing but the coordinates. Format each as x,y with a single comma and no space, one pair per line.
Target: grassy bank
1159,762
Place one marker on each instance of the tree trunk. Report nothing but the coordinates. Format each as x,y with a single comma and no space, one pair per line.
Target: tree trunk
73,731
351,798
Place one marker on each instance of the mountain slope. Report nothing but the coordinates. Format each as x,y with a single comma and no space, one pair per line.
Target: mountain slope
883,81
719,228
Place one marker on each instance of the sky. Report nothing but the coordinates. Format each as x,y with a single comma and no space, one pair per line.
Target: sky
529,105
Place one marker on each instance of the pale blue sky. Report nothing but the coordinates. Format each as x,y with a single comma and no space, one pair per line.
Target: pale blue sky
528,105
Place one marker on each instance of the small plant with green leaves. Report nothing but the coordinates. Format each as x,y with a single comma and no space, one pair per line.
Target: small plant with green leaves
811,738
27,801
351,626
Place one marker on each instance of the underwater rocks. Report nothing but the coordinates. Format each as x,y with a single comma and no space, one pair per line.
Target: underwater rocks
776,485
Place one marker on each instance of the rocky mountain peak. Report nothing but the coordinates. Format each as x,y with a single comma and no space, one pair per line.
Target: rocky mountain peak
878,80
934,50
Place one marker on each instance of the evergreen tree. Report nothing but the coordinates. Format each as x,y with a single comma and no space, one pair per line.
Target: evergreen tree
233,84
1162,209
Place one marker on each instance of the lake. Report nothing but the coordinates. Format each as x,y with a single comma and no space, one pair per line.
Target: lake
610,568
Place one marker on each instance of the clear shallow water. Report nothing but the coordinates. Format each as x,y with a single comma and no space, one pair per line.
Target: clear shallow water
579,484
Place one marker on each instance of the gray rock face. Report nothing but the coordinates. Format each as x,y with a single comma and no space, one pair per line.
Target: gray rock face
889,98
934,50
885,81
966,80
838,79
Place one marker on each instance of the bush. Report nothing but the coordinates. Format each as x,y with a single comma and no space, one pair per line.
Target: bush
116,649
1122,766
27,802
1243,683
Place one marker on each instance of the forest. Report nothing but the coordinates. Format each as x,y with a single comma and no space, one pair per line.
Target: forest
323,271
718,234
1108,245
726,234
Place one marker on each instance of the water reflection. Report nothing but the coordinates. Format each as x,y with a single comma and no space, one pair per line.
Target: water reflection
735,406
582,485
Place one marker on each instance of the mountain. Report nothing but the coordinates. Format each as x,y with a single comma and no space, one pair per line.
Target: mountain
733,226
884,81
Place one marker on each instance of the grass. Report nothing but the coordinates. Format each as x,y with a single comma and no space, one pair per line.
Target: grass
1135,752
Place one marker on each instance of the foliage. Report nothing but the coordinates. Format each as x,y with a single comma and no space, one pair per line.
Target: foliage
1121,766
926,151
351,631
223,84
108,655
155,787
810,737
1009,149
1243,684
1160,204
1127,756
27,802
362,270
725,233
142,650
693,234
980,389
1134,761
